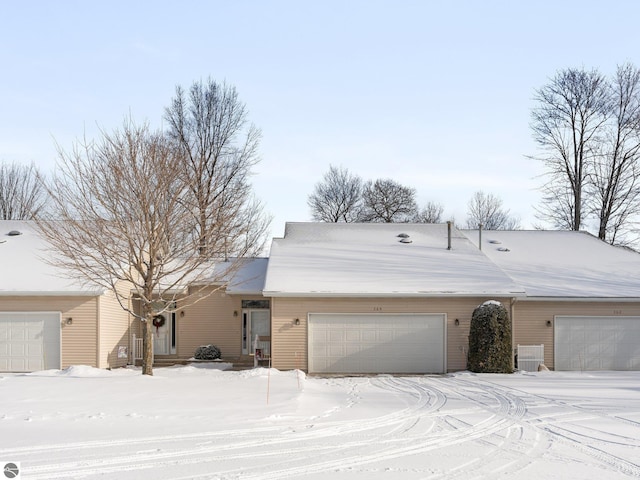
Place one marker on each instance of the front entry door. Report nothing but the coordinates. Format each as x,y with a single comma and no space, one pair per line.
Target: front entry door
256,322
163,333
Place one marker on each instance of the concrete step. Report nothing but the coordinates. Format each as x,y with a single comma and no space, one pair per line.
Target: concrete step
168,362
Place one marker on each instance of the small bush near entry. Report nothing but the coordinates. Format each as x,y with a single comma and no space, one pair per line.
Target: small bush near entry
490,346
207,352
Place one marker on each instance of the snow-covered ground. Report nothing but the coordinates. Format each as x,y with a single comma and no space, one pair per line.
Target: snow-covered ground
200,422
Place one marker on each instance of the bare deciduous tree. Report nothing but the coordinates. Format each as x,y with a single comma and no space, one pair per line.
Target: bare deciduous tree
122,223
567,125
486,210
431,213
615,179
388,201
209,124
21,194
337,198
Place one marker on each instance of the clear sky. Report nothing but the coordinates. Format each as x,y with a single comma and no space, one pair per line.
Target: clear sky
435,95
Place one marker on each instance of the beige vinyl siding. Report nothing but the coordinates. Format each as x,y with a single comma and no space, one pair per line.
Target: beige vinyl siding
530,327
289,341
79,338
212,321
113,331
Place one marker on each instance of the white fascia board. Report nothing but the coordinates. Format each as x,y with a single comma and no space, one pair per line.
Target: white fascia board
518,295
583,299
174,291
246,292
82,293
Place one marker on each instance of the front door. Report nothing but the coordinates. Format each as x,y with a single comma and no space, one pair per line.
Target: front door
256,322
163,333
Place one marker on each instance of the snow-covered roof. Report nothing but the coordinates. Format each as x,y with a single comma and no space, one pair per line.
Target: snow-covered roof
563,263
23,269
369,259
247,275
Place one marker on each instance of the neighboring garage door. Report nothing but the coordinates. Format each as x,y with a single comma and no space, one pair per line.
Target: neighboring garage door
360,343
29,341
597,343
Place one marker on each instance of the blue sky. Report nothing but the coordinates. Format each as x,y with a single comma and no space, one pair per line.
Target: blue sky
436,95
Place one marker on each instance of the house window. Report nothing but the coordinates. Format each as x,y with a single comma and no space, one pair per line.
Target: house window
255,304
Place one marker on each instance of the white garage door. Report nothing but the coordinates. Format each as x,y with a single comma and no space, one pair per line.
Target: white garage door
29,341
597,343
360,343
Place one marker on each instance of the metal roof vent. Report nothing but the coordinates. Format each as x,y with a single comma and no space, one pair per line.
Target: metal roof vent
503,249
406,240
403,235
495,242
14,233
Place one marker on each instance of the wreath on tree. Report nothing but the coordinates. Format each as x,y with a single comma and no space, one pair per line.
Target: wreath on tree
158,321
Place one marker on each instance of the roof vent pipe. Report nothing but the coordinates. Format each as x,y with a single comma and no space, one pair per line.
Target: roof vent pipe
480,236
449,235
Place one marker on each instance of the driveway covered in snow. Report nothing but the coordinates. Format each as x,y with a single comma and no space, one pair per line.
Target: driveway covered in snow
203,423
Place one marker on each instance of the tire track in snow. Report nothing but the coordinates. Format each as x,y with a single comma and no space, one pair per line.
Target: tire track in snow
408,446
88,466
555,432
516,439
572,408
509,426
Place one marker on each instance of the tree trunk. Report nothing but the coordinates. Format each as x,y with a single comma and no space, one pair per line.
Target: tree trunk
577,213
147,345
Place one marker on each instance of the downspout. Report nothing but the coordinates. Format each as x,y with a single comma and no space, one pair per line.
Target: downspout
98,333
513,331
130,331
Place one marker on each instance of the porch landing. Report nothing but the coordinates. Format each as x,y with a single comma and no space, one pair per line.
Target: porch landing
239,363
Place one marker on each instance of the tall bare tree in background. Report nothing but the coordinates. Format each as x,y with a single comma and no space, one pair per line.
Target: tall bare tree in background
486,210
588,125
219,148
388,201
124,220
568,123
430,213
22,195
615,179
342,197
337,198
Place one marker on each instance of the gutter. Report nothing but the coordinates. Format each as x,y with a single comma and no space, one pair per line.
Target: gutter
512,305
246,292
519,295
82,293
582,299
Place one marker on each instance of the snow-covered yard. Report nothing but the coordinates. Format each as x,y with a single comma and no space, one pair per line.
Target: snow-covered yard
200,422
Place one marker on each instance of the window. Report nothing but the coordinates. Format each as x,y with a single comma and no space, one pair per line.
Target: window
255,303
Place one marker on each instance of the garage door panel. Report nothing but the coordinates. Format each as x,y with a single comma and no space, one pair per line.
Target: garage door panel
335,336
20,350
352,335
612,349
29,341
336,351
597,343
376,343
18,332
322,335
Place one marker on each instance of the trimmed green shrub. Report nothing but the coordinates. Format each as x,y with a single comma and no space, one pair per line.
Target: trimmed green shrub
490,348
207,352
